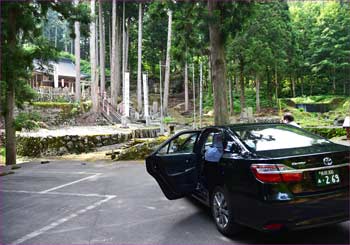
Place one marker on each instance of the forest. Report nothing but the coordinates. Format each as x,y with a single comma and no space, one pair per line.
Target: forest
221,56
276,48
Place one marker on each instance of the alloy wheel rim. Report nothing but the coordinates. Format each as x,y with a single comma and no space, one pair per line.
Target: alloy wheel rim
220,210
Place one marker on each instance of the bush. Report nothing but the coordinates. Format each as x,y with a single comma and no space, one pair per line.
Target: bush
140,150
51,104
86,105
168,120
328,132
2,151
27,121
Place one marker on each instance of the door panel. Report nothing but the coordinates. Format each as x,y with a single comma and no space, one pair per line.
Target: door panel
176,171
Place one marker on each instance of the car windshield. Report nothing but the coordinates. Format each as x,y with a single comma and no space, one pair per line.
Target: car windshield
276,137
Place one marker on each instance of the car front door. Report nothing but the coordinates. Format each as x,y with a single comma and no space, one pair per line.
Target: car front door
174,165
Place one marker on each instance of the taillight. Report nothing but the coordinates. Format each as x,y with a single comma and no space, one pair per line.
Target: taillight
274,173
266,172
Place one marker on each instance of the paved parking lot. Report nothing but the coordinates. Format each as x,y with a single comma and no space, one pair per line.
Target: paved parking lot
73,202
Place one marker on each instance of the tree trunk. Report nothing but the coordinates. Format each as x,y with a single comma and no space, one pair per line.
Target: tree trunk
167,65
302,85
276,83
334,85
257,90
311,88
230,96
118,57
102,48
77,59
242,89
210,83
139,62
127,39
114,92
94,85
110,42
9,125
293,86
200,94
209,68
123,55
10,132
194,98
186,86
96,46
236,83
56,35
269,85
218,67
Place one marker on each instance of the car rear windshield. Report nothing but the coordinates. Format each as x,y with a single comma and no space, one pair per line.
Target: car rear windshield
276,136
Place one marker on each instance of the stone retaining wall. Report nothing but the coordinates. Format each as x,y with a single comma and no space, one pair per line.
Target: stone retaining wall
60,145
51,115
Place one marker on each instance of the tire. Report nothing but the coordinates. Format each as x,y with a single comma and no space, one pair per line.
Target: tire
222,212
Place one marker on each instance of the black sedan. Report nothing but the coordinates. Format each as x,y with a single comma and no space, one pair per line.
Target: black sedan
269,177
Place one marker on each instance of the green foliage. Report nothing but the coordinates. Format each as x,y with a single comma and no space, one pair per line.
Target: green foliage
27,121
141,150
168,120
2,151
69,110
250,96
317,99
85,65
52,104
328,133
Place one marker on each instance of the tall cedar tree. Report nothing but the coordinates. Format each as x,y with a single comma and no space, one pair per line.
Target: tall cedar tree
21,24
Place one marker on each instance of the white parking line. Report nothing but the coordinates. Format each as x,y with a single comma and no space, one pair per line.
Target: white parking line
61,221
57,193
54,172
51,191
70,183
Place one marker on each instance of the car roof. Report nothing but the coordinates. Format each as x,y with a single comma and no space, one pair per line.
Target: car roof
238,125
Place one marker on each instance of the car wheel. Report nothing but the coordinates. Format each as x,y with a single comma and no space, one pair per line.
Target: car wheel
222,212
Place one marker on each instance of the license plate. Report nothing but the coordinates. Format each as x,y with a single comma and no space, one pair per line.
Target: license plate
327,177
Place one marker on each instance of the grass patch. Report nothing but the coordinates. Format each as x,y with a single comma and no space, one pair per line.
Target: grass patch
53,104
340,108
2,154
318,99
328,133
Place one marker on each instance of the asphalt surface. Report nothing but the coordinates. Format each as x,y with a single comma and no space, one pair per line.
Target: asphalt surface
117,203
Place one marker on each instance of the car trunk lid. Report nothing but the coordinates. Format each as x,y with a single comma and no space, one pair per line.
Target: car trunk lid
321,172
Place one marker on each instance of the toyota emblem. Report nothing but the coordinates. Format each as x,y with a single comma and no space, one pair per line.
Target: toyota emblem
327,161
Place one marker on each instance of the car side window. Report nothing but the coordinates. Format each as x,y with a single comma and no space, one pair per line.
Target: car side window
163,150
184,143
208,142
